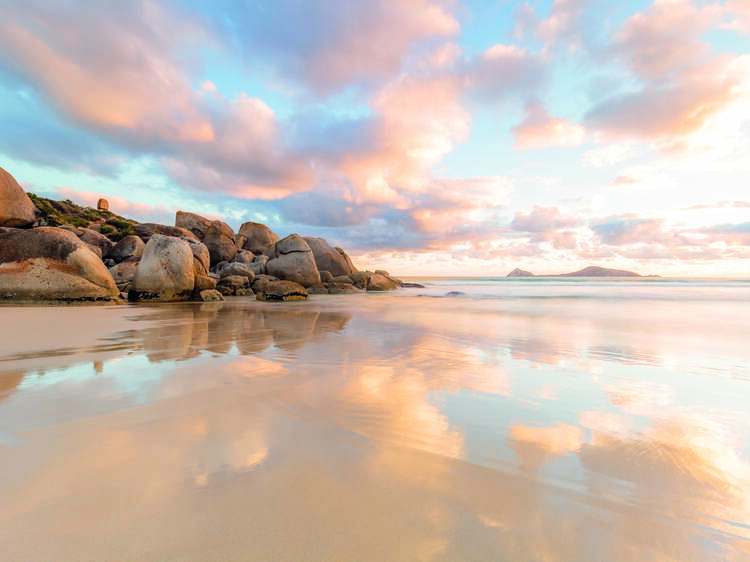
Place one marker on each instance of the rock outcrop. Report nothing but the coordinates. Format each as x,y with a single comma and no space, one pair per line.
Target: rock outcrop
51,264
165,272
16,209
192,222
256,237
219,239
84,253
294,261
327,258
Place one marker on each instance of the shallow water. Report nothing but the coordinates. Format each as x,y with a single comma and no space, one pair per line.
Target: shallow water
544,420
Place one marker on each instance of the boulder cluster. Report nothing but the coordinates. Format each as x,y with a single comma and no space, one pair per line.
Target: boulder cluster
196,259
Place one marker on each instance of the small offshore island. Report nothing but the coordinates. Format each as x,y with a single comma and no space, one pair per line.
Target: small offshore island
591,271
57,251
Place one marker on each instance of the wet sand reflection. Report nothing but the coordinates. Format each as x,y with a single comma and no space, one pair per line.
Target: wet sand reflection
329,432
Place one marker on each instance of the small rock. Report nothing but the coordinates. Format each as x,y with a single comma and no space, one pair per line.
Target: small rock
244,256
321,289
282,291
342,288
236,268
203,283
231,284
102,205
325,276
211,295
343,279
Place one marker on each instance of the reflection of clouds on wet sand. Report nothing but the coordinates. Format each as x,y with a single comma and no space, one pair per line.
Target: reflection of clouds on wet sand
322,432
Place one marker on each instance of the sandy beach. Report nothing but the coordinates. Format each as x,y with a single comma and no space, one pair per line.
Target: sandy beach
379,427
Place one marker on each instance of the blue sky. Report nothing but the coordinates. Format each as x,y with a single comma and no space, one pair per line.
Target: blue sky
436,137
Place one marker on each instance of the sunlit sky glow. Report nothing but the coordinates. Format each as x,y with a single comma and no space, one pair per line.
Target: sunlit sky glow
427,137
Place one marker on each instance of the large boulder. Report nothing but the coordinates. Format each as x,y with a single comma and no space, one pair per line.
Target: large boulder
256,237
147,229
379,282
201,257
346,257
96,239
192,222
16,209
327,258
165,272
294,261
282,291
219,240
123,273
129,247
259,265
51,264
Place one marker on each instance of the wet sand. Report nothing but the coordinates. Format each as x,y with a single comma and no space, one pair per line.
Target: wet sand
376,427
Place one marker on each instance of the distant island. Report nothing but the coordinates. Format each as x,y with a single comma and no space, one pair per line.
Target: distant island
591,271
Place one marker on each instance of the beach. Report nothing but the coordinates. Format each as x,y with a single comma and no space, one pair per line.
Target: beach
472,419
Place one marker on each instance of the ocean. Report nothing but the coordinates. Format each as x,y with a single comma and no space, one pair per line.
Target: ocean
472,419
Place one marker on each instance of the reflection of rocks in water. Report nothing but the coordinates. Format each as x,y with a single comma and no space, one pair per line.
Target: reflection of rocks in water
184,332
9,382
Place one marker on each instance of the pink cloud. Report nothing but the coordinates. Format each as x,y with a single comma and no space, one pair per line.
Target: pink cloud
685,83
563,24
540,130
543,219
624,180
503,69
329,45
739,11
120,71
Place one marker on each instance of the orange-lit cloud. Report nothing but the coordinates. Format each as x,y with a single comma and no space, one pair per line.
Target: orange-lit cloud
541,130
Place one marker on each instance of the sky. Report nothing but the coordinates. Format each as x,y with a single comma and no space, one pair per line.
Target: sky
427,137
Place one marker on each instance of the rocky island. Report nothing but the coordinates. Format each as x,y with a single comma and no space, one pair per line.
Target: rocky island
591,271
57,251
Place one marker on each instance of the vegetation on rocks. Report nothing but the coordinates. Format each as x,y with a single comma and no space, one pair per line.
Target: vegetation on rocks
59,213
